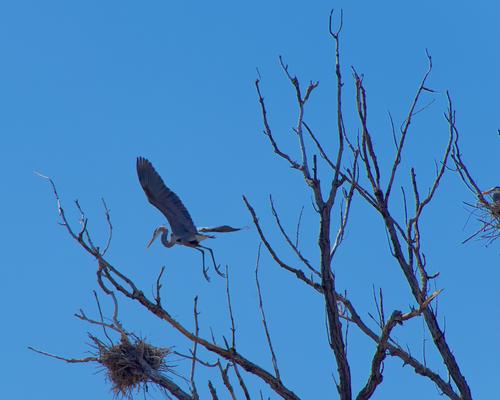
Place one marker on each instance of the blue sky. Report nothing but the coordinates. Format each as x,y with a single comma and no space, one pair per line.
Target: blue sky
88,86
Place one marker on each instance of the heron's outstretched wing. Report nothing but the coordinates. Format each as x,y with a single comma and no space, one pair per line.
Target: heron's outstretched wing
164,199
220,229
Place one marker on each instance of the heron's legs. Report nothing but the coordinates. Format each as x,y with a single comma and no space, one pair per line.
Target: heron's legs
205,270
217,269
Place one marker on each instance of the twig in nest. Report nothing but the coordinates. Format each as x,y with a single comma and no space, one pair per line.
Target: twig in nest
488,216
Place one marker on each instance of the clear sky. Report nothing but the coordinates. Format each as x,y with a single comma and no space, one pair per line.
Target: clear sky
86,87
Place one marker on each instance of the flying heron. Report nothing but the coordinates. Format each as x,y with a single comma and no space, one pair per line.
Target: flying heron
184,231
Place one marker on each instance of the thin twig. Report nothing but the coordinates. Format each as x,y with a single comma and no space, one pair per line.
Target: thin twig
226,381
158,286
404,130
110,226
68,360
213,392
268,132
288,240
241,382
194,391
102,318
228,294
344,216
298,272
264,322
297,231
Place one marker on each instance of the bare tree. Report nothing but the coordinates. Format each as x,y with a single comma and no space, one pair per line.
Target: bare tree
352,170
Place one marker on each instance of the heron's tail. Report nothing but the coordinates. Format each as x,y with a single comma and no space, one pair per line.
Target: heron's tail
219,229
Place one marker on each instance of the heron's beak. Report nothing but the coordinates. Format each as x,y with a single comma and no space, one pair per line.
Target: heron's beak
156,233
488,192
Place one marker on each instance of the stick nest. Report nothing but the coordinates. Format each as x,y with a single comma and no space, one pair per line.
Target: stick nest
495,210
131,365
488,215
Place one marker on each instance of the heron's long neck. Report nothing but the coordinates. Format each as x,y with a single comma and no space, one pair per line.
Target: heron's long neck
164,239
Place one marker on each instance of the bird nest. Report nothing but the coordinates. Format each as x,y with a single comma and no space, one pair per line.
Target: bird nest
130,365
488,215
494,209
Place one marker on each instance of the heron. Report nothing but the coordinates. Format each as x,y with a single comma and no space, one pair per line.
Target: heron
184,232
495,194
494,207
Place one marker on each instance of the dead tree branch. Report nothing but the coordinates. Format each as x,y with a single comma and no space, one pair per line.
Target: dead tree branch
411,242
264,321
